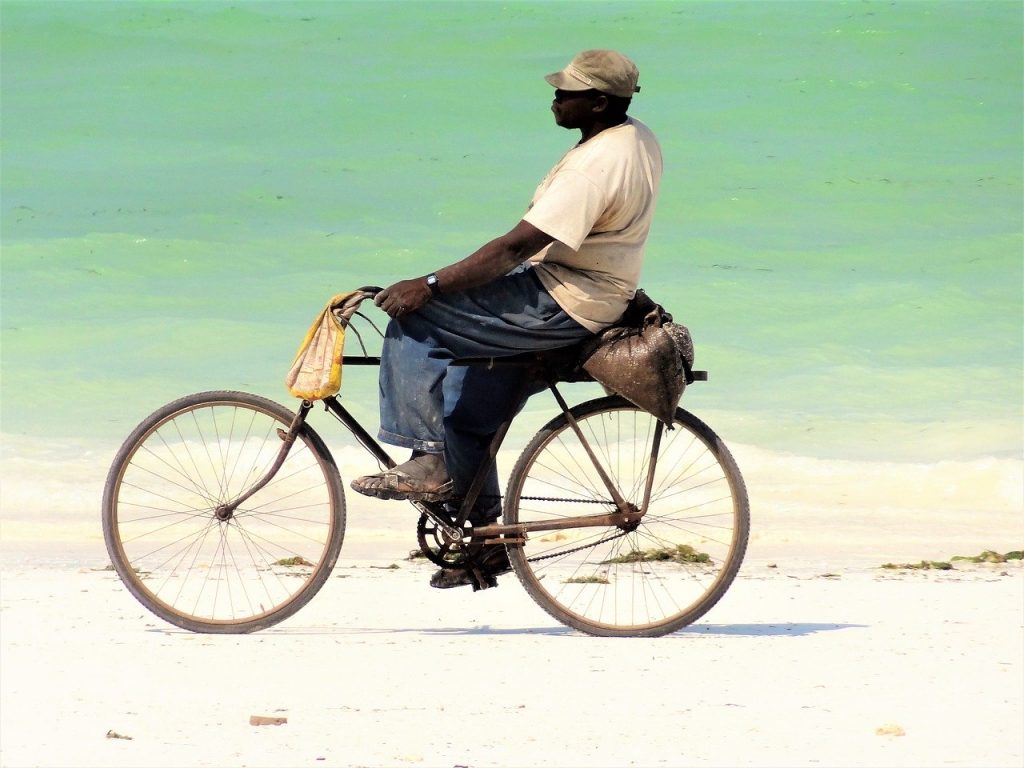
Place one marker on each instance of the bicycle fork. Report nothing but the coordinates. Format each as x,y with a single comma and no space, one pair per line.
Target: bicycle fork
226,511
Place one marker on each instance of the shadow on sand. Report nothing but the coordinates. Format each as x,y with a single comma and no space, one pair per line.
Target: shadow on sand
740,630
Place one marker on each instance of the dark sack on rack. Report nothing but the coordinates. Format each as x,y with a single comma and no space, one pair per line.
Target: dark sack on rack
645,358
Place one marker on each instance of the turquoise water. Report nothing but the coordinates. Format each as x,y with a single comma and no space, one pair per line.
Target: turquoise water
185,184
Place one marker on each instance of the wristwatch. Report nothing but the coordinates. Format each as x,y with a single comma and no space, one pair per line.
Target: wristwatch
435,289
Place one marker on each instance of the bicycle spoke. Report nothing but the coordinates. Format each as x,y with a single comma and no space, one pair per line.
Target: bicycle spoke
191,556
648,578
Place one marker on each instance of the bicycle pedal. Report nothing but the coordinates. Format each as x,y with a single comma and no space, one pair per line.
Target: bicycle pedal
481,580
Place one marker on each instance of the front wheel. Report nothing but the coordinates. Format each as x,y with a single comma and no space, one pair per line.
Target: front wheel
178,550
640,581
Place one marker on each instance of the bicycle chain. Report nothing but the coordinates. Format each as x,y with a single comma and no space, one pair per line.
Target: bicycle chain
563,552
608,502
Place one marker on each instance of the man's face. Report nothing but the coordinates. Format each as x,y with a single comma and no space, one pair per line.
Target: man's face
574,109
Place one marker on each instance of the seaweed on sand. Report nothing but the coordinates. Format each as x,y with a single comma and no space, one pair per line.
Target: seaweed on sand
681,553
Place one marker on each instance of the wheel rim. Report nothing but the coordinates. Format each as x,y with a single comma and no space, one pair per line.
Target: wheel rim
663,574
185,551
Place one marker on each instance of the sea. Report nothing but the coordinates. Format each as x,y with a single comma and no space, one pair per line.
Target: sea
185,184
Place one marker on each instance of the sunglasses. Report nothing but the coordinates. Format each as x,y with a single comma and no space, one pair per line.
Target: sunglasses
561,95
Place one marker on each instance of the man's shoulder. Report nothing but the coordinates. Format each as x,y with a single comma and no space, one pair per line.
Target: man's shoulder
631,133
639,132
618,145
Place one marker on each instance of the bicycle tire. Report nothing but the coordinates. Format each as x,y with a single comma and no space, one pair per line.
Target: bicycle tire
669,571
197,571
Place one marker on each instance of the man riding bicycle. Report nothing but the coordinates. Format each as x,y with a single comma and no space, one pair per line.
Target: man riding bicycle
565,271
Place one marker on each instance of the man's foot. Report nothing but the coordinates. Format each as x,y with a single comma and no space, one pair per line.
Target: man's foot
422,478
492,563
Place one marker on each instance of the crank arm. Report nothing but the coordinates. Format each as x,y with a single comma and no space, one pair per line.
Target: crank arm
450,531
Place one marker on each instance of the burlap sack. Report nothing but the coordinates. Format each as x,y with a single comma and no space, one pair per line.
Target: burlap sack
645,358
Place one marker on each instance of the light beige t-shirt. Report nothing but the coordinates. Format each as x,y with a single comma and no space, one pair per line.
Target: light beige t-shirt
597,203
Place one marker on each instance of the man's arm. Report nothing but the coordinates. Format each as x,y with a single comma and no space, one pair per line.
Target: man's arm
494,259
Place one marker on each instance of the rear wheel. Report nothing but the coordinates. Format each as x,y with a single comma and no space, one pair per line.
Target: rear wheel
650,580
178,549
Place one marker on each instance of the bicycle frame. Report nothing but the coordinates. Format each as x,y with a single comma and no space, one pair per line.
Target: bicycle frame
626,515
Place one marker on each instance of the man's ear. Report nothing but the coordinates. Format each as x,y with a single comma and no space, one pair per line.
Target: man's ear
600,104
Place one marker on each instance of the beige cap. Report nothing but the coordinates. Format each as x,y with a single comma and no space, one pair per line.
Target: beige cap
600,69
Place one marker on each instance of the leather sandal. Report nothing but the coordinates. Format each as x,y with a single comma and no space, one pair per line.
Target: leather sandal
400,486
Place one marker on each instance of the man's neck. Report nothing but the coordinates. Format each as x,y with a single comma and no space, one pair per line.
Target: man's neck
591,131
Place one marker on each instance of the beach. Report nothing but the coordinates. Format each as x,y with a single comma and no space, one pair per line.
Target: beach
816,656
797,666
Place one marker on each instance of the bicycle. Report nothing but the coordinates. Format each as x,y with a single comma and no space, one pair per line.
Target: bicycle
224,512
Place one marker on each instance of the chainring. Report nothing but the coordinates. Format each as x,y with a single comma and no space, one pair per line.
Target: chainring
435,546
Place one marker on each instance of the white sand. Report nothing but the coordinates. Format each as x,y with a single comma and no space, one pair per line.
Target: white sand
793,668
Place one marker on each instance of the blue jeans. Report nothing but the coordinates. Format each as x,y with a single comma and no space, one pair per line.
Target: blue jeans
428,406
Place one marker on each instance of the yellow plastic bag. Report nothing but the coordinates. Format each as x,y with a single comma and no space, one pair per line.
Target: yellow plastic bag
316,370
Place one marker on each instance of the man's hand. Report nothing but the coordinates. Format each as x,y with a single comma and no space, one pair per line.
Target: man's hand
403,297
487,263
